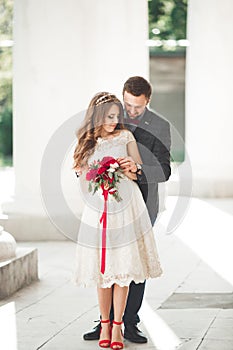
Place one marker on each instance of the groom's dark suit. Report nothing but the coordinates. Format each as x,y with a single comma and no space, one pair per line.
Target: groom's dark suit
153,139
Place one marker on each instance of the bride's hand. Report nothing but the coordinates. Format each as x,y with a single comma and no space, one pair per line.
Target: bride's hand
127,164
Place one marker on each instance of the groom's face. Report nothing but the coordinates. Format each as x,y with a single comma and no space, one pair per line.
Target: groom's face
134,105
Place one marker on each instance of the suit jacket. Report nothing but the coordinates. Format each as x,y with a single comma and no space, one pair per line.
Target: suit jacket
154,141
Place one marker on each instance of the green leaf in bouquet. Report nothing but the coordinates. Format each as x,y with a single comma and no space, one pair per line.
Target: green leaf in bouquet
89,186
117,196
96,188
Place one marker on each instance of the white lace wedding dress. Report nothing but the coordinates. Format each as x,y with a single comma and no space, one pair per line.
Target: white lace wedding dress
131,253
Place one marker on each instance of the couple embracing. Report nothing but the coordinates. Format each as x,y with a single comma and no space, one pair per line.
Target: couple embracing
121,156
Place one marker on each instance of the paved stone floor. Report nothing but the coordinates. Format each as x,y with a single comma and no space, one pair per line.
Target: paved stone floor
188,308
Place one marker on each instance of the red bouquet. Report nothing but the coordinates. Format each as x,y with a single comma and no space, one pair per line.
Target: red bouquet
105,174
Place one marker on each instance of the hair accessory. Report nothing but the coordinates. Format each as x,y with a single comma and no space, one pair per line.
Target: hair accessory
104,99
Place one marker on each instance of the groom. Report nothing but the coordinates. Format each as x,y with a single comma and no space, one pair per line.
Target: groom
152,134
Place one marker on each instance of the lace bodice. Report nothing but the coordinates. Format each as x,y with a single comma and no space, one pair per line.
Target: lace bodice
114,147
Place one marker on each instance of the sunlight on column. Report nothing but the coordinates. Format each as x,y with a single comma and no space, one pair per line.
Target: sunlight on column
8,332
160,333
208,231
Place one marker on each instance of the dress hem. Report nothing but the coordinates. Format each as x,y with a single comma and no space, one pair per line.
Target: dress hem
113,281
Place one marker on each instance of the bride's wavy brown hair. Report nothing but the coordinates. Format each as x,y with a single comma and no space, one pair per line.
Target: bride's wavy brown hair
92,126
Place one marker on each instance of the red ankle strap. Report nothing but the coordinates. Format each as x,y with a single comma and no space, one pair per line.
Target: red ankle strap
117,323
105,321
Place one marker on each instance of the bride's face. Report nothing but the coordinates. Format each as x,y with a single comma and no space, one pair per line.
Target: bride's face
111,119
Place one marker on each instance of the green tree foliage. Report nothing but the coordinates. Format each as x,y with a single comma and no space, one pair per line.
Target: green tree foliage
178,19
6,22
6,118
169,18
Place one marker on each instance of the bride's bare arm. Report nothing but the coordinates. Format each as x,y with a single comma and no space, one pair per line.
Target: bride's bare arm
128,164
133,152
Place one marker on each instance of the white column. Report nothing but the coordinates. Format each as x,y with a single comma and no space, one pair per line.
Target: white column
209,121
65,51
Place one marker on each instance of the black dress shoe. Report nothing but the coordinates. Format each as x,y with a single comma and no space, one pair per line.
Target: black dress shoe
133,334
94,334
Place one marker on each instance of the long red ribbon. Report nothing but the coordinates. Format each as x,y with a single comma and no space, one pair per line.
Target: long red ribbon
104,229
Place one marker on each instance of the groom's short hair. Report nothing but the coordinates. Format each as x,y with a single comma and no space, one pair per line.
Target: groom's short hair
138,86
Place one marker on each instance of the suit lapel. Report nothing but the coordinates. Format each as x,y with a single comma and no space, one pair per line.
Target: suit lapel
146,120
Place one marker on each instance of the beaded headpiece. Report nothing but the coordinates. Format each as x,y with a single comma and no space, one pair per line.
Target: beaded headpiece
104,99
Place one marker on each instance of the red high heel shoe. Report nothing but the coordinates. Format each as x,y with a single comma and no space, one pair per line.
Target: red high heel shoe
118,344
105,343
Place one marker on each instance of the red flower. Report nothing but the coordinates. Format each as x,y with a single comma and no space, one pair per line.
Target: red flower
101,170
107,160
91,174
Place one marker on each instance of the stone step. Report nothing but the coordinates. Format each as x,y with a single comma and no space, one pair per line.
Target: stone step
19,271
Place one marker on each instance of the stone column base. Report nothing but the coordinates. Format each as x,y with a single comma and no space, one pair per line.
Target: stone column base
19,271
